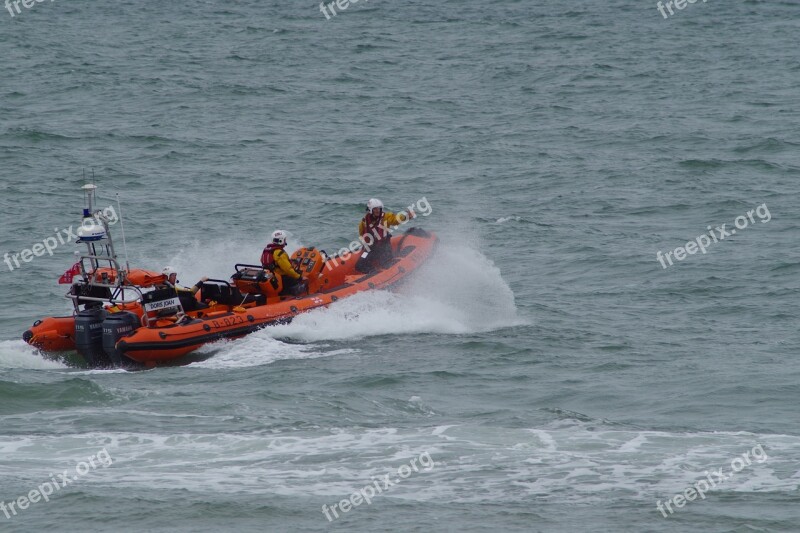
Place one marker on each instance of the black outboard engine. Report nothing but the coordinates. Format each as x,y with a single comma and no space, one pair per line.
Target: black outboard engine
89,336
115,327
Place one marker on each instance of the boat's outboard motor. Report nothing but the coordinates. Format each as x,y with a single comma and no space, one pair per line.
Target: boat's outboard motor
89,336
116,326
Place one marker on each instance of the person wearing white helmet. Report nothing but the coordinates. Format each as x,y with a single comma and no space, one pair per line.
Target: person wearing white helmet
170,276
187,296
275,259
374,231
171,280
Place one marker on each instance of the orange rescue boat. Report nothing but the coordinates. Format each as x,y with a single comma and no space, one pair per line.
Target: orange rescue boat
130,317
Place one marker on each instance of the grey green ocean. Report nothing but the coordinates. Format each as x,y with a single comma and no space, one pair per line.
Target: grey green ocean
545,372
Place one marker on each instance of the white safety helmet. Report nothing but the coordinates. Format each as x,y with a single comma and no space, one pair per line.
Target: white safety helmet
168,271
279,237
373,203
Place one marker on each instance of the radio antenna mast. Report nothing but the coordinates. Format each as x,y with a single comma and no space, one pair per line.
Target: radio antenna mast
122,227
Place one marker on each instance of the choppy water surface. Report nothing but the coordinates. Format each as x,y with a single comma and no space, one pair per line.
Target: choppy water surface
558,377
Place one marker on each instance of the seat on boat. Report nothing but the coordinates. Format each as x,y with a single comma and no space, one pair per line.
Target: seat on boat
229,295
82,291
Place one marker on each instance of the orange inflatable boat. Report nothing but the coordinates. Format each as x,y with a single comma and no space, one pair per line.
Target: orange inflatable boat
127,317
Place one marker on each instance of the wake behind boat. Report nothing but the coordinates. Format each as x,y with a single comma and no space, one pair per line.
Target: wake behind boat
126,317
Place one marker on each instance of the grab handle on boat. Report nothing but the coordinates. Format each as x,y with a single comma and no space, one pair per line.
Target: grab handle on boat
222,281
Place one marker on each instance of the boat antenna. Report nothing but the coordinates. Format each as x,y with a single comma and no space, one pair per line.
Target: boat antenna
122,228
89,199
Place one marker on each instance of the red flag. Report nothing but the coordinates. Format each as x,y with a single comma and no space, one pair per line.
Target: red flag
66,279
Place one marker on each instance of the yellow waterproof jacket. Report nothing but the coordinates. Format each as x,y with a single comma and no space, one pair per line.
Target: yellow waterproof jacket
282,264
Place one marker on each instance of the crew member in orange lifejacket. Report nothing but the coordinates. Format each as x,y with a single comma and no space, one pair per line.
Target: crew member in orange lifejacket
276,260
374,232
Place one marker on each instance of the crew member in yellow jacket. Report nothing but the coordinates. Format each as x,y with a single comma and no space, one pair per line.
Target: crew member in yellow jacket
276,260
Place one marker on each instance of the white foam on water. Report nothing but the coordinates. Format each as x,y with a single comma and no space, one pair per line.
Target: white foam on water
370,313
472,463
259,348
19,354
465,280
503,220
100,371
